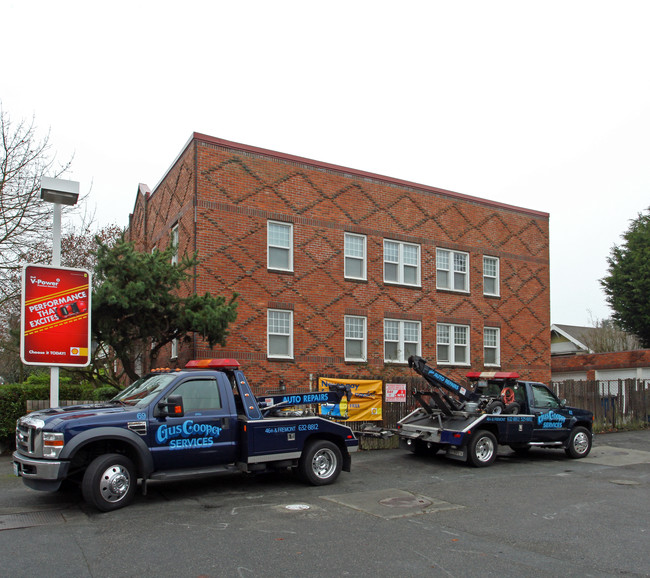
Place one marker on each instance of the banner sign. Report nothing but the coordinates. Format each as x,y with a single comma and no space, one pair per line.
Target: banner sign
55,321
396,392
358,399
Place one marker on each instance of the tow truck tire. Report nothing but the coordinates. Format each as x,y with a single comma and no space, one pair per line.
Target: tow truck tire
579,444
482,449
320,463
495,407
109,482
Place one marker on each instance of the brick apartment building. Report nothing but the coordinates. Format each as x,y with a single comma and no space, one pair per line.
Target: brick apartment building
345,273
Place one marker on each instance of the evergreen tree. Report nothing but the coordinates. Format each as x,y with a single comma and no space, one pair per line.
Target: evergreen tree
137,304
627,285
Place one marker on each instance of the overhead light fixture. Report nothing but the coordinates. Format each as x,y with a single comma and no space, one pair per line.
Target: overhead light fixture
59,191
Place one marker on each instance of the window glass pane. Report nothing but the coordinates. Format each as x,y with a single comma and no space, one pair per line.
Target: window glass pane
410,349
279,235
278,345
353,349
390,349
391,330
354,327
443,279
443,259
490,356
489,266
490,337
443,333
278,258
411,331
489,285
390,272
353,246
443,353
353,267
411,275
279,322
460,262
410,254
459,281
459,354
391,252
460,335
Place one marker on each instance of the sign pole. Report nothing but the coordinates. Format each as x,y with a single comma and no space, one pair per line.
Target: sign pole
56,261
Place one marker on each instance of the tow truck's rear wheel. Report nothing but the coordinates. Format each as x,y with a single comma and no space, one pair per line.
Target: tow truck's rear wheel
109,482
579,444
482,449
320,463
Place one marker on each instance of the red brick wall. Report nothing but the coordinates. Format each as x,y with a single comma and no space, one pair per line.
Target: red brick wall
239,189
599,361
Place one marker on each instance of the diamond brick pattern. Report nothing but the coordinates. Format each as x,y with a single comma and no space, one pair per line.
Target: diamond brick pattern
222,198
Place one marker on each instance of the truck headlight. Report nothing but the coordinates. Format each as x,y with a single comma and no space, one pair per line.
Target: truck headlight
52,444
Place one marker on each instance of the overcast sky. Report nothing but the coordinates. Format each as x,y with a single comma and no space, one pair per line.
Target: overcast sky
543,105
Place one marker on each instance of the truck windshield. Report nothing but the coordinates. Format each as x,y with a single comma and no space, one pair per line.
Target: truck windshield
141,392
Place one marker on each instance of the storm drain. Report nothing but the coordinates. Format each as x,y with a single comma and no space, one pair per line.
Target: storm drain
30,519
392,503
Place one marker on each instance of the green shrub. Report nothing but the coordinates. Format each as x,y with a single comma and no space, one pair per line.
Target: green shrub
14,396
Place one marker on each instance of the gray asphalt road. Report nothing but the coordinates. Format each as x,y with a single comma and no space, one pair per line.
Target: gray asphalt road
395,514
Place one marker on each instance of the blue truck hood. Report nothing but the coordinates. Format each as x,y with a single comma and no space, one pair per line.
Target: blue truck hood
57,418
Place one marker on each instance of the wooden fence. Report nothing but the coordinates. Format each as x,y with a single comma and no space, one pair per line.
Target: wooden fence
614,403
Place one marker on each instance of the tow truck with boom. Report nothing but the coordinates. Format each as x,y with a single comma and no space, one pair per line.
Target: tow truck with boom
469,424
178,424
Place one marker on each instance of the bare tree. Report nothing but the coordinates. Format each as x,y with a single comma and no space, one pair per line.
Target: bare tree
606,337
25,220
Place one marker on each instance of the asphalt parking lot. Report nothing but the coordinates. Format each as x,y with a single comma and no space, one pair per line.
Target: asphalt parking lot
395,514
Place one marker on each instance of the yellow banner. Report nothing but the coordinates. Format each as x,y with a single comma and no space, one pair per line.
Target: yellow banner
359,399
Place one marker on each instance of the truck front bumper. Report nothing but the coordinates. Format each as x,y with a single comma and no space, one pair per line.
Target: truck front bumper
40,474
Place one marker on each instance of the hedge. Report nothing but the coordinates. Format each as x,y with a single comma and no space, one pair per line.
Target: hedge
13,401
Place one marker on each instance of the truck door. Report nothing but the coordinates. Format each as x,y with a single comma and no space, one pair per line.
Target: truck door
205,435
551,421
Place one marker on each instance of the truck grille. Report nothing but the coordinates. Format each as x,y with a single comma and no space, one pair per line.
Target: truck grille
29,439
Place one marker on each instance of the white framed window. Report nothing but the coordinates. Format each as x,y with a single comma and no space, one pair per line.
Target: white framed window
174,354
492,346
401,340
355,256
401,263
174,241
280,246
452,270
280,334
491,276
453,344
355,338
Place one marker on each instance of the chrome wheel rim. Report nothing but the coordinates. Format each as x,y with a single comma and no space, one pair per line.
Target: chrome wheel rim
484,449
114,483
323,464
581,442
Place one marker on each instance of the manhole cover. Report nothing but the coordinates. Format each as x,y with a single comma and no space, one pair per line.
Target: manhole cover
406,502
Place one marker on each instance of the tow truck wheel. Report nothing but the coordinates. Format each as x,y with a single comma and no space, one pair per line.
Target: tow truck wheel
579,444
495,407
482,450
320,463
109,482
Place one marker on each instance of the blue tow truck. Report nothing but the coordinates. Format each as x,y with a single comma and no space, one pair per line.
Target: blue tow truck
469,423
171,425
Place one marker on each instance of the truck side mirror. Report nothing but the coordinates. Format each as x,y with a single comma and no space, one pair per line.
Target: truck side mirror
173,407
